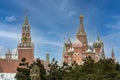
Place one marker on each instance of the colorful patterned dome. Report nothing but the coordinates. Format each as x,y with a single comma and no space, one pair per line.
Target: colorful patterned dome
77,43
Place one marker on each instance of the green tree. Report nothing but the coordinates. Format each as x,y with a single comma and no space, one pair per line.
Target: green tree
58,72
42,69
104,69
23,72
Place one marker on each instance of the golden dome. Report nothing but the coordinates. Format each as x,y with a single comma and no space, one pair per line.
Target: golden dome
81,17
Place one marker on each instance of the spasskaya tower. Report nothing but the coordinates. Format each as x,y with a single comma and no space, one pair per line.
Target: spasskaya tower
26,46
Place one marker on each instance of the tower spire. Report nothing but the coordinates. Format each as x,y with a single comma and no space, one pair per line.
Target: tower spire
113,55
81,28
102,52
81,34
98,38
64,48
26,17
47,58
26,37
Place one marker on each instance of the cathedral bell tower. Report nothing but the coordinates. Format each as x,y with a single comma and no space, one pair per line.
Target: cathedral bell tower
81,34
26,46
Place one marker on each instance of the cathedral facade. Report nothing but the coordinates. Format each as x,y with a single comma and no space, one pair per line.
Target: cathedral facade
80,48
25,49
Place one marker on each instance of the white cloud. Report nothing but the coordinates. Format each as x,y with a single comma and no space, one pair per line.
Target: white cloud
8,34
53,43
43,40
71,13
10,18
9,31
116,25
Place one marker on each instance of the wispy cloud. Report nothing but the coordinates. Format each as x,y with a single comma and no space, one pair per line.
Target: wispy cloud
71,13
10,18
10,35
59,44
115,25
10,31
44,41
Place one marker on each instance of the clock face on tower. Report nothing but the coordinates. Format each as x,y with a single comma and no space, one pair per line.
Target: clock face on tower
24,39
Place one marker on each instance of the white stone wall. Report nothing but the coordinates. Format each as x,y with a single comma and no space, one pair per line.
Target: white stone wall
7,76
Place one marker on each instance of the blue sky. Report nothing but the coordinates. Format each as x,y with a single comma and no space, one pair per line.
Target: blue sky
53,20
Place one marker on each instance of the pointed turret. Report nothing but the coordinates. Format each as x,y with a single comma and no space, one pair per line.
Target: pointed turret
26,18
98,45
8,54
81,28
68,41
64,47
81,34
64,51
102,53
47,58
113,55
26,37
98,38
47,62
68,44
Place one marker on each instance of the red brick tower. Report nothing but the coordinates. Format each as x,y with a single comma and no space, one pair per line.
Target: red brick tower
26,47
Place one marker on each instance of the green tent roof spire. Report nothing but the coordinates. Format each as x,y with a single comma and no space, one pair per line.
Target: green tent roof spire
26,17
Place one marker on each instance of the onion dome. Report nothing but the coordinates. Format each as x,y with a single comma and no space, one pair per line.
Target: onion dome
89,50
71,50
98,43
77,43
76,53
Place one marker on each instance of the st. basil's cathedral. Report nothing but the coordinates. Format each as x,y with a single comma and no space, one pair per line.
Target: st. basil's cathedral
80,48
